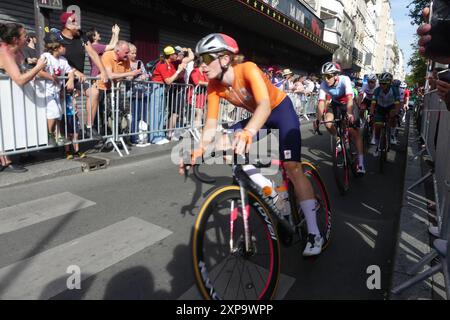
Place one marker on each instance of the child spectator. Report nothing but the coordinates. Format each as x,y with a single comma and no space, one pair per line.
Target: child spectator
71,125
57,66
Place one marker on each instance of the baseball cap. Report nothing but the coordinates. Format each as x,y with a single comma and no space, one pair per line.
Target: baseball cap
169,50
65,16
55,37
178,49
31,35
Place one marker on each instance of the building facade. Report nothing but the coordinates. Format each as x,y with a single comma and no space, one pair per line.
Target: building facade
363,33
299,34
268,31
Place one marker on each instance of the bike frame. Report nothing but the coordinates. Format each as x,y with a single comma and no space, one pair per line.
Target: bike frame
243,181
387,132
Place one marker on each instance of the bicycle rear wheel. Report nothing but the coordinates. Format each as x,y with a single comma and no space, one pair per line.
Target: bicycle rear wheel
340,165
224,273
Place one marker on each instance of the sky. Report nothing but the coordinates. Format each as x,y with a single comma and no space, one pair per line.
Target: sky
403,29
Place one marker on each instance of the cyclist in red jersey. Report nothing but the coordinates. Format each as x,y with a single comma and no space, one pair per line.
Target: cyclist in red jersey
246,86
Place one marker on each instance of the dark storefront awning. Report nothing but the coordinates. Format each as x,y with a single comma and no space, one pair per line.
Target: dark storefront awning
262,19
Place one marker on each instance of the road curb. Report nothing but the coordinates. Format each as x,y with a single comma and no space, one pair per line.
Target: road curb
65,168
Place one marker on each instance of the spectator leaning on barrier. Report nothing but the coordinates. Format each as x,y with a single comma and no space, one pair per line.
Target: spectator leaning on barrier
57,66
288,85
76,48
136,64
182,54
94,38
139,103
13,38
167,71
29,52
177,96
310,84
200,81
117,66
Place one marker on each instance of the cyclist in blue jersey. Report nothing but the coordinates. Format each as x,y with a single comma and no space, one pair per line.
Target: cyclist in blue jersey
386,100
340,89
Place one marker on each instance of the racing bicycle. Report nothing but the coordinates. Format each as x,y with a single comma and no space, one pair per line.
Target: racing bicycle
344,153
237,234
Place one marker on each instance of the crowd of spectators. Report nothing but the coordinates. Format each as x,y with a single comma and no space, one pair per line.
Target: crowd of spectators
166,104
300,87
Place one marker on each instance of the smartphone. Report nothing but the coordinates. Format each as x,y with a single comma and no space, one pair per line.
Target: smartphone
139,65
440,24
444,75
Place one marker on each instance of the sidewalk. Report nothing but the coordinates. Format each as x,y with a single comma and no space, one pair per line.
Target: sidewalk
413,237
49,164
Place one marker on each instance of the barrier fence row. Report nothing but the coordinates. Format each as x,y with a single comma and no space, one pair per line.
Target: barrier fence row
434,125
305,104
43,115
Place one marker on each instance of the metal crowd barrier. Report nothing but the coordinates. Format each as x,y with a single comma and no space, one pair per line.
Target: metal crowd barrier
131,112
23,115
148,111
305,105
435,131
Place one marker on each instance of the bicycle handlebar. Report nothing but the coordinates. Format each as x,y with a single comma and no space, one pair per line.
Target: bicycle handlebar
245,158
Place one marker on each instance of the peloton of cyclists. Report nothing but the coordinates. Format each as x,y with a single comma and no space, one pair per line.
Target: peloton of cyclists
386,100
339,88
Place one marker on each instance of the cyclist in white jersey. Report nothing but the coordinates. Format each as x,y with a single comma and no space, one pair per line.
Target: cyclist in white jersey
386,100
339,88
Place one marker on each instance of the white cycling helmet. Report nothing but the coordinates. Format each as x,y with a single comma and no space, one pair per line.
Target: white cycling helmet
216,42
403,85
386,77
372,77
331,68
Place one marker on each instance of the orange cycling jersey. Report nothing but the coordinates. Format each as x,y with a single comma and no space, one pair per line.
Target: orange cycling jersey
250,87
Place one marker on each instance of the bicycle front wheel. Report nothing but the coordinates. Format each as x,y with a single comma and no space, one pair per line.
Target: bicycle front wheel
366,136
224,267
382,149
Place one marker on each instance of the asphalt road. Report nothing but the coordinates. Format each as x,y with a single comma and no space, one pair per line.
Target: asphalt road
128,229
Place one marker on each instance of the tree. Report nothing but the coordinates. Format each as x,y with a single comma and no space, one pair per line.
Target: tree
415,11
418,66
417,62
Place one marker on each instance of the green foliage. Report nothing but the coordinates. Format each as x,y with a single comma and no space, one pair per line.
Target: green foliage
417,62
418,66
415,11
